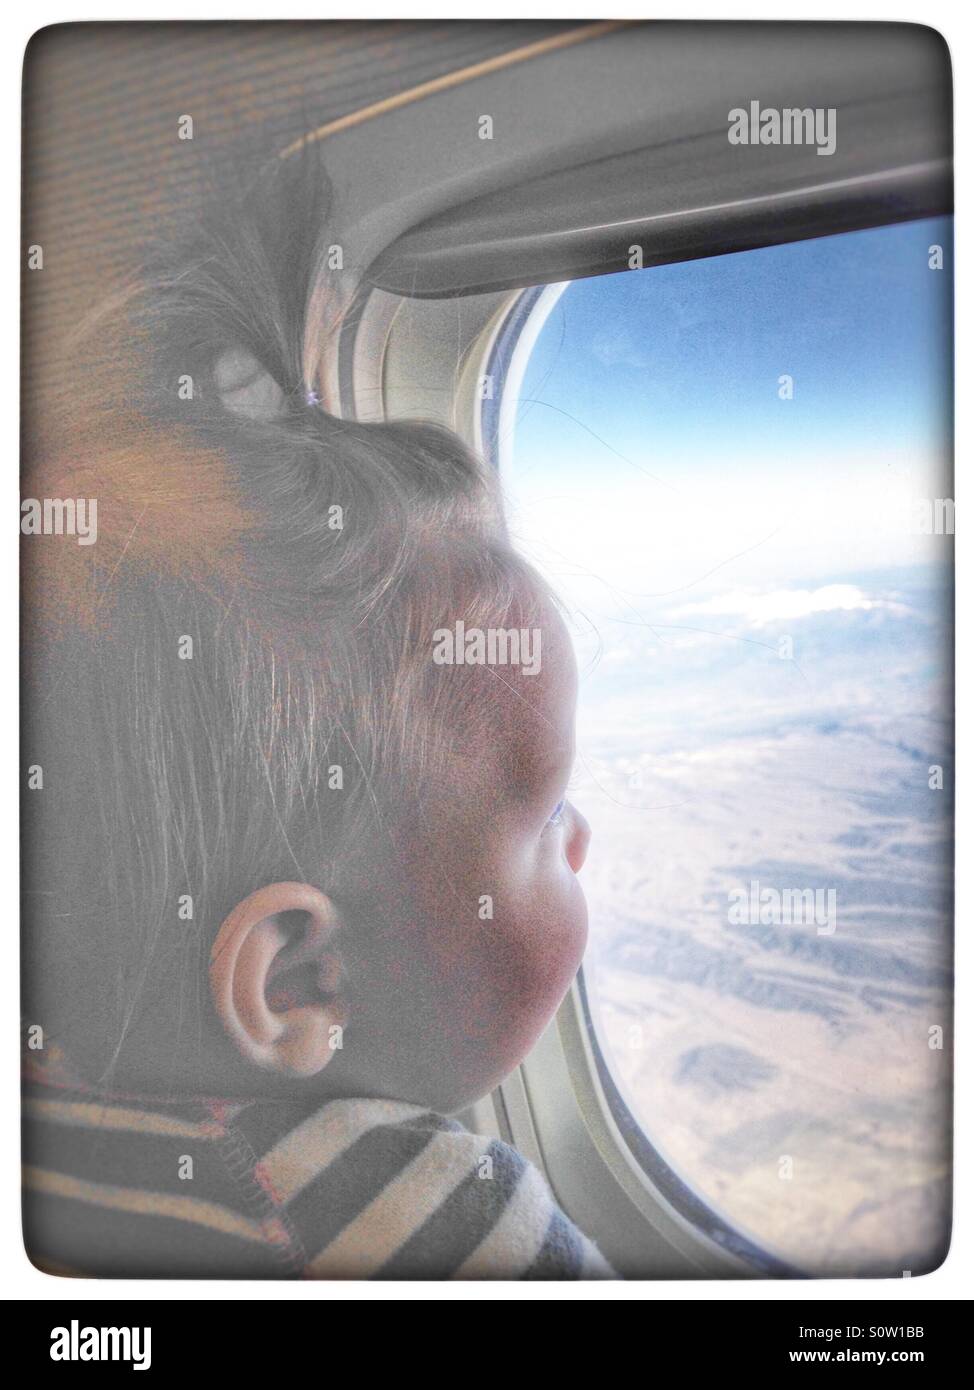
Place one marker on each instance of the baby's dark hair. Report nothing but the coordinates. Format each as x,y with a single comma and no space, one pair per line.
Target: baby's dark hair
233,685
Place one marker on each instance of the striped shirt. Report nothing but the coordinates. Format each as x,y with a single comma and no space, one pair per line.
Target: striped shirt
355,1189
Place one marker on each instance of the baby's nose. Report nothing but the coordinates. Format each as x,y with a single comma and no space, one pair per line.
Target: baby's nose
579,835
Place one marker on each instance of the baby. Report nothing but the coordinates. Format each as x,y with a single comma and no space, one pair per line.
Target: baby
297,887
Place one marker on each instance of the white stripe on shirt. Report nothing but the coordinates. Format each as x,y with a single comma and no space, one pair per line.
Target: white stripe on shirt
304,1153
400,1209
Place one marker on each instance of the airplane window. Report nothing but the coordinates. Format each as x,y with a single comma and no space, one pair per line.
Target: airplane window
736,473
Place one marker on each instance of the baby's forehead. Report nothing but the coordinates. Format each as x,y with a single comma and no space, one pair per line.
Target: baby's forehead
526,736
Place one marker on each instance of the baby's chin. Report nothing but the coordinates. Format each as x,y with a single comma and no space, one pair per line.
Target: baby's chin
449,1095
473,1077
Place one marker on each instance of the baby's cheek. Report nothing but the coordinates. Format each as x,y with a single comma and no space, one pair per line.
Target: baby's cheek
529,954
563,932
484,956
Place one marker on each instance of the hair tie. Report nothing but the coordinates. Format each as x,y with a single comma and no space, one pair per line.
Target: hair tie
312,398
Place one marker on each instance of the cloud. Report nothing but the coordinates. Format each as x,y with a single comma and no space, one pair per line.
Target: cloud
615,348
786,605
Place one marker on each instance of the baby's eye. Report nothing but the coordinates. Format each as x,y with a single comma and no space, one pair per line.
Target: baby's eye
556,815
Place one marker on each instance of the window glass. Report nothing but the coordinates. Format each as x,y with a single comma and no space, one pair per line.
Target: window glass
736,473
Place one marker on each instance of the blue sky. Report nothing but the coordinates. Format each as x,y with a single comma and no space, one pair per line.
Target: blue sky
661,447
673,360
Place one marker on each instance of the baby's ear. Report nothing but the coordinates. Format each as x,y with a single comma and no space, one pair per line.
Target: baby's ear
245,387
275,979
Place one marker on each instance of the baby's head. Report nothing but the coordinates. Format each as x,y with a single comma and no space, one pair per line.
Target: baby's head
305,720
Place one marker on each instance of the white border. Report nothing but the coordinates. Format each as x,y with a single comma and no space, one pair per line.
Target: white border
18,1278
